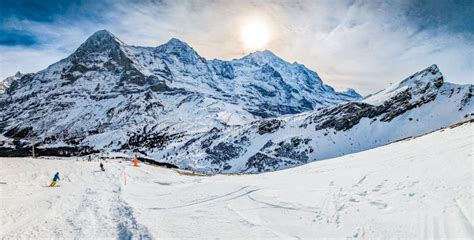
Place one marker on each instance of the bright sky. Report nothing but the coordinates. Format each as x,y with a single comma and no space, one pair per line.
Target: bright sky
365,45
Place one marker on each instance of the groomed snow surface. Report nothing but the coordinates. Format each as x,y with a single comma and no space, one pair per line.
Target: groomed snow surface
416,188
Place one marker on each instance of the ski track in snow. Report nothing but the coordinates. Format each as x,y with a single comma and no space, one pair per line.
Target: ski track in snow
417,188
87,203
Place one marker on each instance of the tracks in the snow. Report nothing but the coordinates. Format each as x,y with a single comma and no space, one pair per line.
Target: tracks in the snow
127,226
243,191
102,212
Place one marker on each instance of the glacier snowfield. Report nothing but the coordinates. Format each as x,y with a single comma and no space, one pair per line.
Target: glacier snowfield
416,188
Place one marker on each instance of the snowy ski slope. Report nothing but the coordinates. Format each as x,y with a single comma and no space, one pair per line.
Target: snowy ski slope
416,188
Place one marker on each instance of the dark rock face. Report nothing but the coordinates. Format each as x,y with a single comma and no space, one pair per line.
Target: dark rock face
467,98
24,79
288,150
291,153
224,151
25,150
402,104
269,126
160,87
276,156
18,132
266,110
150,140
263,92
345,116
263,163
218,153
224,69
214,133
7,82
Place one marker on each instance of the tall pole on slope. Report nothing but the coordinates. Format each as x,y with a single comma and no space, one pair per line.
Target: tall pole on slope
33,141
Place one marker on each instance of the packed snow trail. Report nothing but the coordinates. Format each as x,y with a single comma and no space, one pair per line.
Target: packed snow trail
86,204
417,188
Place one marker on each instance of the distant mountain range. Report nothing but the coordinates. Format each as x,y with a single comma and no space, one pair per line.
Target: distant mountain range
419,104
253,114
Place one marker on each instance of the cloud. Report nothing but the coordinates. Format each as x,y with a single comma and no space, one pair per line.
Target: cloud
365,45
12,38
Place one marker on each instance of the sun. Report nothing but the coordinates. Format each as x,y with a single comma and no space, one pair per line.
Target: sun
254,35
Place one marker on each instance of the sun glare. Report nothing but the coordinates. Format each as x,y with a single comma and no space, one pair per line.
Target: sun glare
254,35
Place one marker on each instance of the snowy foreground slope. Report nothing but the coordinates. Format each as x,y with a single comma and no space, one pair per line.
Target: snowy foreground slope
416,188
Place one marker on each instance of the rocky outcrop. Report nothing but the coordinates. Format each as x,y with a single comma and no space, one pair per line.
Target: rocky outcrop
7,82
269,126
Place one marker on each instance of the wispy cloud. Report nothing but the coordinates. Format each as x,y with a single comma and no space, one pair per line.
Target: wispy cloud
13,38
360,44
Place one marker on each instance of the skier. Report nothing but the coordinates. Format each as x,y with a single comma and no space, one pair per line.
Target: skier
89,158
55,179
102,166
135,162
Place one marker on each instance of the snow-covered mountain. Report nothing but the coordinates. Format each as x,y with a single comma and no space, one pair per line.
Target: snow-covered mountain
5,83
419,104
110,96
169,104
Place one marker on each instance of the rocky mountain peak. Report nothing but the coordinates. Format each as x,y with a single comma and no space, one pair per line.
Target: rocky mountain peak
262,57
429,75
176,46
102,36
18,74
351,92
179,49
7,82
176,43
100,41
423,84
265,53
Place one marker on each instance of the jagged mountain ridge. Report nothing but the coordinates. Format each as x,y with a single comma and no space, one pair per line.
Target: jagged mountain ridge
263,83
5,83
110,96
169,104
419,104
